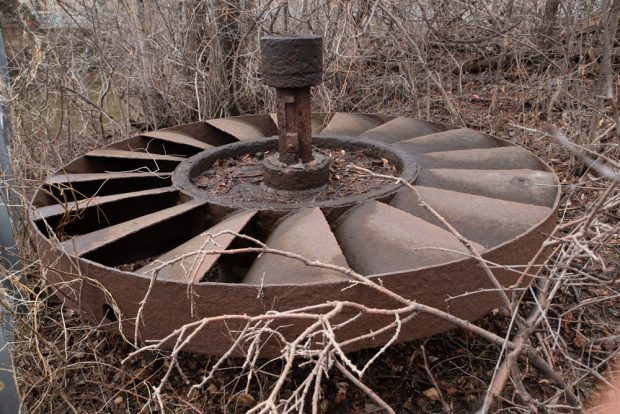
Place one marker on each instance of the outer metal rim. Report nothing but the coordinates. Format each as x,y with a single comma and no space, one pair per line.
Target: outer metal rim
79,281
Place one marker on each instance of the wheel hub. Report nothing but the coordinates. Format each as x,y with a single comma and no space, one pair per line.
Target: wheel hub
279,188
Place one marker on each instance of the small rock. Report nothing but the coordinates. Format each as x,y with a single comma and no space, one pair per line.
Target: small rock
245,400
431,393
212,389
451,390
371,408
432,359
342,391
118,400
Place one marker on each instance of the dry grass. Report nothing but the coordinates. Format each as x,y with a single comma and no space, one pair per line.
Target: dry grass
126,68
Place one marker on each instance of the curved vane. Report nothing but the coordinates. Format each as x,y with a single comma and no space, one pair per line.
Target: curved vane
307,234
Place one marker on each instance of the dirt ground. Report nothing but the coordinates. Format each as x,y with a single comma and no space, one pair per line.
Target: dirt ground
64,365
585,318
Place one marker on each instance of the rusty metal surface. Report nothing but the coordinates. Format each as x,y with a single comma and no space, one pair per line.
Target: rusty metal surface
453,139
295,176
488,221
132,155
72,179
500,158
85,243
190,262
428,279
402,128
292,65
177,138
294,125
405,241
169,307
246,127
63,188
523,186
194,166
292,61
351,124
205,132
95,202
305,233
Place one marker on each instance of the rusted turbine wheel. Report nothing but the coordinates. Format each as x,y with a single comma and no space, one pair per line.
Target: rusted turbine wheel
117,215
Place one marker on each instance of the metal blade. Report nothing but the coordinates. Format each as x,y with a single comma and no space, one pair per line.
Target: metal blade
522,186
306,233
189,262
246,127
487,221
111,159
203,132
131,155
450,140
177,138
71,187
78,178
89,242
156,146
377,238
350,124
400,129
74,207
500,158
274,118
87,215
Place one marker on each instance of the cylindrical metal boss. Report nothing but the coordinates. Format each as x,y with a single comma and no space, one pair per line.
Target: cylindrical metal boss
292,61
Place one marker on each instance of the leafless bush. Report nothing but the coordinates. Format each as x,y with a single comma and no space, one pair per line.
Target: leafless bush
507,67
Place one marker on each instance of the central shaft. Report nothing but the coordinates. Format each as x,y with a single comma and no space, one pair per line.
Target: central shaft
293,64
294,125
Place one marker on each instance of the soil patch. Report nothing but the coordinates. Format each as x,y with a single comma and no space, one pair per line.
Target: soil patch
240,178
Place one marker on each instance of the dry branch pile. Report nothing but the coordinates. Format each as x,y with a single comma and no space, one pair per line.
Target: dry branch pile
511,68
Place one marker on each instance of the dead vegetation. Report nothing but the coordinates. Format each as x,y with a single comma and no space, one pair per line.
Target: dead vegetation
510,68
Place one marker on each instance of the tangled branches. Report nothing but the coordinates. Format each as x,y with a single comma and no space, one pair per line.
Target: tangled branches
488,66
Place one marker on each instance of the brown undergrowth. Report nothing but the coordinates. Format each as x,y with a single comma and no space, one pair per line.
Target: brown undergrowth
72,91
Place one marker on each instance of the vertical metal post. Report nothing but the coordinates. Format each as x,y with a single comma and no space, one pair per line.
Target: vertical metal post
292,64
9,400
295,129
